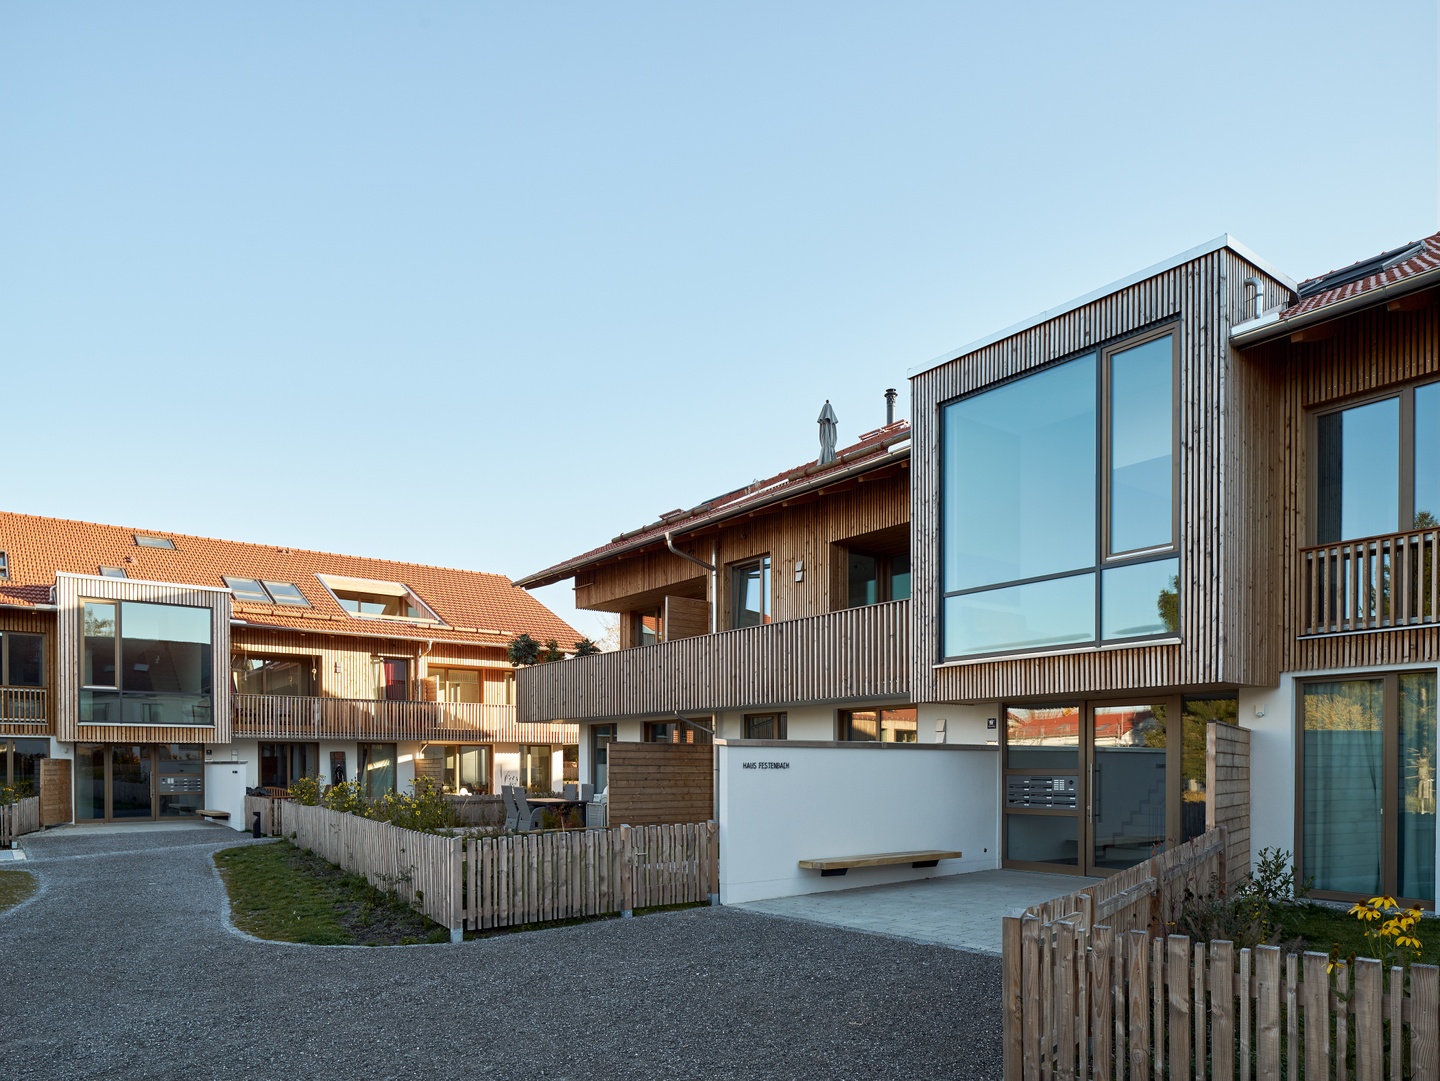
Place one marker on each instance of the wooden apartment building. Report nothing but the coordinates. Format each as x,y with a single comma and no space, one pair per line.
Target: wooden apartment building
1205,498
147,675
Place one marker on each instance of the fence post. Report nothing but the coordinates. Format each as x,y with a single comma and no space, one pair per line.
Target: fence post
627,873
712,858
1010,1024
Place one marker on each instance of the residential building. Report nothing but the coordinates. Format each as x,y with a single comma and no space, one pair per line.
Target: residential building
1201,499
156,674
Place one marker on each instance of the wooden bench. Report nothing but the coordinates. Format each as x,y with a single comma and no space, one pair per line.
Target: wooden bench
213,814
838,865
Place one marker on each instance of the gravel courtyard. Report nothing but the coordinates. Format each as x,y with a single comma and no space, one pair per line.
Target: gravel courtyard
124,966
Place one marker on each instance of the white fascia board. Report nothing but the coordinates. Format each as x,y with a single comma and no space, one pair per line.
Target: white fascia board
1224,240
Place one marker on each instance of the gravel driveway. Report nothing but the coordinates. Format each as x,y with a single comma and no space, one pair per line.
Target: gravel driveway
124,966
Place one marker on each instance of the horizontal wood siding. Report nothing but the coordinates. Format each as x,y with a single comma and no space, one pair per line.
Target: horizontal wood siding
650,783
70,592
1370,352
22,713
56,806
805,532
282,717
850,655
1202,298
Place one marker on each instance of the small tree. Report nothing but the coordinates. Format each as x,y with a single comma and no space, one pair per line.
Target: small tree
552,652
523,650
585,648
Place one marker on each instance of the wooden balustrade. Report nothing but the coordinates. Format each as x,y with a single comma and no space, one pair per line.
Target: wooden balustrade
24,711
1375,583
283,717
850,655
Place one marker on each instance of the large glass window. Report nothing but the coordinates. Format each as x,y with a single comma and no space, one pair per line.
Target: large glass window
293,676
1368,785
467,770
750,593
22,660
376,769
535,769
282,763
146,664
1038,494
392,678
1377,466
601,736
20,763
457,684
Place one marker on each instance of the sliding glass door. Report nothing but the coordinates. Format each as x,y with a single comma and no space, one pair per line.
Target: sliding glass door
1366,786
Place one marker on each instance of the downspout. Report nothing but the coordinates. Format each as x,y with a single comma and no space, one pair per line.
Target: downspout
714,592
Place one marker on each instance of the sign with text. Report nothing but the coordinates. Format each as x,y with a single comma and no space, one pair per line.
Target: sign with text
764,765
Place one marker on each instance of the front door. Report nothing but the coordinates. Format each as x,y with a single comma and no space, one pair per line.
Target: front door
1088,785
144,782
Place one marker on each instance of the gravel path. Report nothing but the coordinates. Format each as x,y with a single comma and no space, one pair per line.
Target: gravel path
124,966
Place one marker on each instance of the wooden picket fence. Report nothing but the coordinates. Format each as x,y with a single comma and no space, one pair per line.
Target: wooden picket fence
476,882
1091,990
18,819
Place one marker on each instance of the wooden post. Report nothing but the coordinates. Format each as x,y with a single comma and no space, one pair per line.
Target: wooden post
1010,1009
1425,1022
627,873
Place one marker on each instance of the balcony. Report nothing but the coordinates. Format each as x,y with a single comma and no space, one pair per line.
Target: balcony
850,655
1371,584
24,711
281,717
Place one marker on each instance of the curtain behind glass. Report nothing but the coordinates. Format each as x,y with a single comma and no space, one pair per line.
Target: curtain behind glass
1341,830
1415,865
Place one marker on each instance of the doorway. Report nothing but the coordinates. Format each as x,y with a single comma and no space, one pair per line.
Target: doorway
138,782
1091,787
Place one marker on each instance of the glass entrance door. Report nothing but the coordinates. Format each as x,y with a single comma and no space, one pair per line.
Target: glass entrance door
1091,787
137,782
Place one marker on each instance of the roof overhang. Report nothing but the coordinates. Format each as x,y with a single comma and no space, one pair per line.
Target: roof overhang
1269,325
898,452
1223,241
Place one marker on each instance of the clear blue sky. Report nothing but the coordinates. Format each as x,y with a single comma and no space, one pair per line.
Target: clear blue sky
484,285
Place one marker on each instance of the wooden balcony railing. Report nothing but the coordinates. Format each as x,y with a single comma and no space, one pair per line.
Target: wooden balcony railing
24,711
1375,583
851,655
280,717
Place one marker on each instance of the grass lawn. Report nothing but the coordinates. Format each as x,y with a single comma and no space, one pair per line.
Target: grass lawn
1322,927
283,893
15,886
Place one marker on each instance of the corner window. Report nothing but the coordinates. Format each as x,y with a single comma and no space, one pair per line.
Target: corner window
765,726
364,598
22,660
145,664
879,725
1059,509
750,593
1377,466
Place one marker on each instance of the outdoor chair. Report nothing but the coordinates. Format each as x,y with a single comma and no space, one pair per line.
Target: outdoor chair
572,791
587,793
514,808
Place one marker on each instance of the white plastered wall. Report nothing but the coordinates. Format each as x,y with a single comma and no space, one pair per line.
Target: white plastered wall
846,800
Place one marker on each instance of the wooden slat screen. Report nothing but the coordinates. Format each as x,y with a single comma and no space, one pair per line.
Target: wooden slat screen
651,783
283,717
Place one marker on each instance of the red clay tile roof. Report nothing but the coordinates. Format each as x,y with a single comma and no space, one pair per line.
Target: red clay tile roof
1388,268
476,607
870,451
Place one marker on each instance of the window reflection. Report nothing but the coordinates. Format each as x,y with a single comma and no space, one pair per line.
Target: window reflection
1141,446
1141,599
1057,612
1358,471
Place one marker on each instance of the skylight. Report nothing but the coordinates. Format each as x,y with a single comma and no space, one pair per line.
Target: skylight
287,593
113,572
247,589
366,598
4,565
146,541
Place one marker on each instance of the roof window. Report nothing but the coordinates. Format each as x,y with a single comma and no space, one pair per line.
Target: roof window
113,572
1363,269
146,541
365,598
287,593
247,589
4,565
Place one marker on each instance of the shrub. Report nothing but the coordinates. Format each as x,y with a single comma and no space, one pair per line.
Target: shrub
305,791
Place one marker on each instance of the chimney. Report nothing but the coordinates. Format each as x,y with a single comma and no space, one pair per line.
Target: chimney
828,420
890,397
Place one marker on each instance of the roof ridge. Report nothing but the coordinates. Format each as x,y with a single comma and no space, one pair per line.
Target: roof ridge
280,549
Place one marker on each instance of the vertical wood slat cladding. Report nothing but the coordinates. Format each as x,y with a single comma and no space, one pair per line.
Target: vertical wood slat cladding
804,532
850,655
655,783
1221,585
17,710
1370,352
70,590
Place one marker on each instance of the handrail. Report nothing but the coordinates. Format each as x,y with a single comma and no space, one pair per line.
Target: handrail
300,717
27,705
1371,583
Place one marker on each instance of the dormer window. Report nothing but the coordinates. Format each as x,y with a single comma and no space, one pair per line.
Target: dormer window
365,598
146,541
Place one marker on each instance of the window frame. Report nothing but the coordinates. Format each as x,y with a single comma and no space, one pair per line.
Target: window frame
258,595
1405,396
1104,558
5,637
106,570
118,648
779,719
765,565
349,584
151,540
844,723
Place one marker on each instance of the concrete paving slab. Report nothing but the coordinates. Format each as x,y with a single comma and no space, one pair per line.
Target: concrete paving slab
959,911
